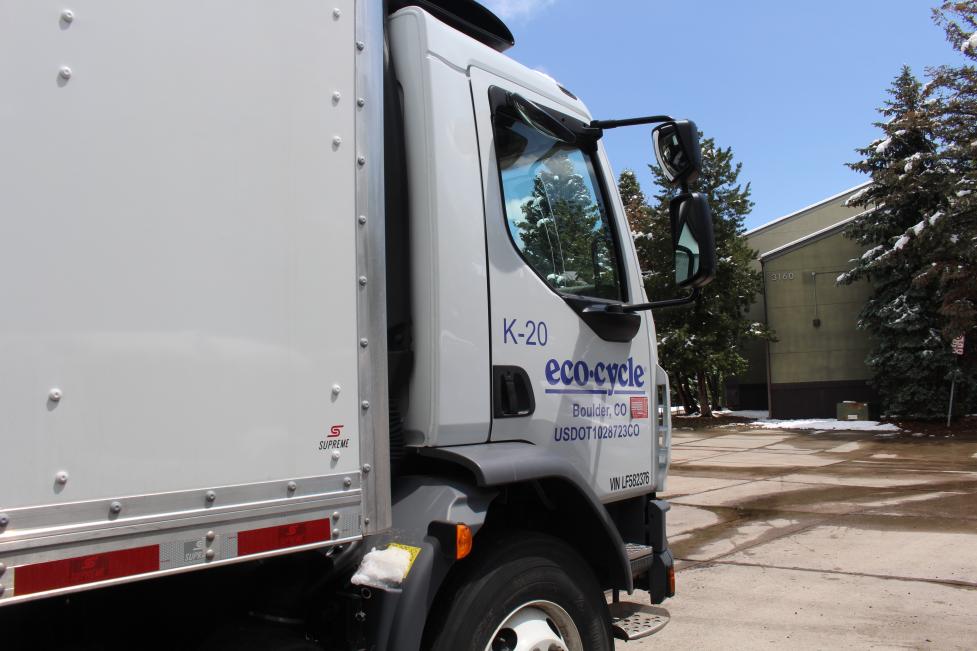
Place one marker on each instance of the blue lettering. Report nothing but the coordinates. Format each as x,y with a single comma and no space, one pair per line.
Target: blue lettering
621,370
599,377
581,373
571,372
565,372
552,368
507,331
639,374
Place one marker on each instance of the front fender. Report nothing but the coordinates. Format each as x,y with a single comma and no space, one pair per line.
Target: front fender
511,462
399,615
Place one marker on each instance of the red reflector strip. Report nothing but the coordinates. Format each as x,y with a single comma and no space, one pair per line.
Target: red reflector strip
52,575
256,541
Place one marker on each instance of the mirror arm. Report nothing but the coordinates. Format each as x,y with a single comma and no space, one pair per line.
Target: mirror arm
672,302
629,122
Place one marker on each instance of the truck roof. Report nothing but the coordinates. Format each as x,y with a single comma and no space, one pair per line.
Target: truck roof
458,50
468,17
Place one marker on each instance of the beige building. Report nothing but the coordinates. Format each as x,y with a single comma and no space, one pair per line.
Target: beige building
818,359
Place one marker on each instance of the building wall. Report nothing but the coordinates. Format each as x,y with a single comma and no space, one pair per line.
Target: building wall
812,367
749,390
802,223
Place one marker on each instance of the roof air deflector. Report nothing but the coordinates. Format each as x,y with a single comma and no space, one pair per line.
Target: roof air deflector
467,16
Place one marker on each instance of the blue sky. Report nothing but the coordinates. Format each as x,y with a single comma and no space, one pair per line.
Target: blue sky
791,85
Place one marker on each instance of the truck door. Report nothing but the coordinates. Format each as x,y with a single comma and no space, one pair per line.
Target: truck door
558,245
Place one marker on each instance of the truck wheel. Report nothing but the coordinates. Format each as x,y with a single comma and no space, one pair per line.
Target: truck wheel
523,592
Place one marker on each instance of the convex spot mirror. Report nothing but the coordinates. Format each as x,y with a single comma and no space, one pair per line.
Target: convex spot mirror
692,240
677,149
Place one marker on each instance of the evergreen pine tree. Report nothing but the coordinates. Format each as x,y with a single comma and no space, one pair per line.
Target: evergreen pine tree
652,242
699,344
952,243
904,201
636,211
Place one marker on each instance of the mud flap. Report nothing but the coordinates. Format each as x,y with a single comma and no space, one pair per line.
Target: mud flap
654,568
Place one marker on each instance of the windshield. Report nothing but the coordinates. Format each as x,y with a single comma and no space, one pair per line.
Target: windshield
555,212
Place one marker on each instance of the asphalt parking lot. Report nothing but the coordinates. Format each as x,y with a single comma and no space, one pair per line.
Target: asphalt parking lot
788,539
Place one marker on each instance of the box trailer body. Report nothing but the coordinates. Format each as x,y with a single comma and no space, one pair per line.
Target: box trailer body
181,254
290,280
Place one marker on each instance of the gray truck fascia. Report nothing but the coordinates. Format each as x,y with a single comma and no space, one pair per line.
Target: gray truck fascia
514,462
399,615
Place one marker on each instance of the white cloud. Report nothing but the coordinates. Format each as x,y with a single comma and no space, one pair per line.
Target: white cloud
517,9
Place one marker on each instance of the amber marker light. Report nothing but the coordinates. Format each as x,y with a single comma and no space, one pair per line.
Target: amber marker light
463,541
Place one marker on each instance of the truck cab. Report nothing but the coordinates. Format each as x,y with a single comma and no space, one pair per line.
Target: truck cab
527,370
404,377
517,240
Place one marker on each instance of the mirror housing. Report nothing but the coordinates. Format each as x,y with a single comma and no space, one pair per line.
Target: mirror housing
692,240
677,150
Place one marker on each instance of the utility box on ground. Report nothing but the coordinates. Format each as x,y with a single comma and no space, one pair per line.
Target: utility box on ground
850,410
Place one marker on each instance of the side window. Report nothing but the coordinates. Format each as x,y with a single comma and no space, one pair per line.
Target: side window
555,212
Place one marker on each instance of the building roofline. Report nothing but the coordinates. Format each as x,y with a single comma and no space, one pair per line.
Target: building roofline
807,239
796,213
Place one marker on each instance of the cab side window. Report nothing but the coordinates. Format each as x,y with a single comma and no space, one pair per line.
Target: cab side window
555,213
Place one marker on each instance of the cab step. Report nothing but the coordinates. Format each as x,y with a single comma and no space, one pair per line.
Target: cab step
633,621
641,557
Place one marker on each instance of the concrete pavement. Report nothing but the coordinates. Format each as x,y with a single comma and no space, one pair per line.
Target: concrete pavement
829,540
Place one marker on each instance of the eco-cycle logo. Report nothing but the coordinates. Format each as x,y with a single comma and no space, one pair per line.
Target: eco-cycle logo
624,377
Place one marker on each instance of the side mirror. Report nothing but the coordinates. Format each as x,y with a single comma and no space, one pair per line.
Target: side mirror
692,240
677,149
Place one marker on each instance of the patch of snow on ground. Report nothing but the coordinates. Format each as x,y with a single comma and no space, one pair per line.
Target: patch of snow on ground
747,413
829,424
763,420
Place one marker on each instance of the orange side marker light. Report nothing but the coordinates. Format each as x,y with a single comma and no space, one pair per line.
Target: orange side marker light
463,541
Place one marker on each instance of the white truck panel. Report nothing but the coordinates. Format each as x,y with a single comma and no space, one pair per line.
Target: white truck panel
177,254
615,451
462,53
450,392
660,398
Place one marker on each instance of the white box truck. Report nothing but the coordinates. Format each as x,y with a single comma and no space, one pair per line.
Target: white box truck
292,291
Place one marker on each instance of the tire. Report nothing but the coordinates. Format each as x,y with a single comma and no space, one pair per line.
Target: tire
511,579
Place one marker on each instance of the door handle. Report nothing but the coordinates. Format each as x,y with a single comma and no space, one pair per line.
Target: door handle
512,392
